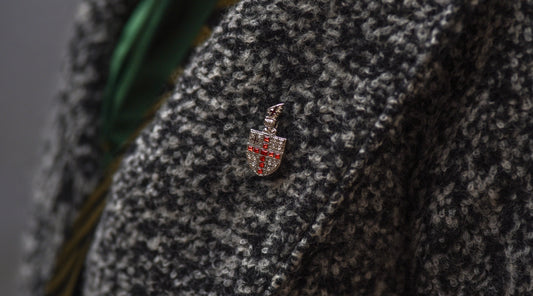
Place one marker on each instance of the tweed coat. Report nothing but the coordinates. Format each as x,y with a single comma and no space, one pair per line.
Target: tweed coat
408,167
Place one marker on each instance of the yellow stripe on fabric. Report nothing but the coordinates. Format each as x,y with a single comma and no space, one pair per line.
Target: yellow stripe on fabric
87,209
226,3
202,36
173,79
73,279
84,230
66,282
60,277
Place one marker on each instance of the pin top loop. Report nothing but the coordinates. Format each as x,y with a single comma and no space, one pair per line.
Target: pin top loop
271,118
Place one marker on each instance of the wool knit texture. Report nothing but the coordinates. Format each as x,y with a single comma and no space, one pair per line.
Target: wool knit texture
407,171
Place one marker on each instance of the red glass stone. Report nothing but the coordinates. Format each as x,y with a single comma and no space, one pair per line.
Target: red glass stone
256,150
267,139
277,156
262,164
264,152
271,154
262,158
265,146
250,148
260,171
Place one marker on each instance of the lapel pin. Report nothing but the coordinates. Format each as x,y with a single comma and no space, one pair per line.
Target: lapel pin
265,149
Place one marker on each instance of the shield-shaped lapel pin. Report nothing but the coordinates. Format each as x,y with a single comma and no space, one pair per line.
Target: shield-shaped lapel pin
265,149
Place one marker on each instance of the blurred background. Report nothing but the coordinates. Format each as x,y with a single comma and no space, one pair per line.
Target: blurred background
33,42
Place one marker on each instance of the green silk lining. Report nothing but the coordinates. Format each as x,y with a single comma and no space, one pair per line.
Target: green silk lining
154,41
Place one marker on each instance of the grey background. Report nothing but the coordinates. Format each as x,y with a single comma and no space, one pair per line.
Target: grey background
33,42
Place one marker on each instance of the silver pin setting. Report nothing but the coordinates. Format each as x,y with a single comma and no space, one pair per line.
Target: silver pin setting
265,149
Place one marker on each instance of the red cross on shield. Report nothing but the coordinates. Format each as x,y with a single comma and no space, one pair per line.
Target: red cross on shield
265,152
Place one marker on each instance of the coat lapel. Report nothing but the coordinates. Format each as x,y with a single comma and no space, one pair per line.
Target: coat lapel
186,211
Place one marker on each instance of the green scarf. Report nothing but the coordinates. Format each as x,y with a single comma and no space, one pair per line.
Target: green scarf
154,42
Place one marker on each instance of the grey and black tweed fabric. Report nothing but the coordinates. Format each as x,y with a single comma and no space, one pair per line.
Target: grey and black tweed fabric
408,167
